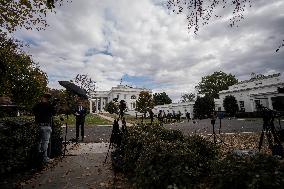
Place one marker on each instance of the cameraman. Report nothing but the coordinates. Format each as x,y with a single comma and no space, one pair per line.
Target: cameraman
43,112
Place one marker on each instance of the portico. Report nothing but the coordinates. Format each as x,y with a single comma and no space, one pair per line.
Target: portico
129,94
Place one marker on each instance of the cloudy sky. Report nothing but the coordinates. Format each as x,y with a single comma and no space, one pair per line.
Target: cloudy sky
143,43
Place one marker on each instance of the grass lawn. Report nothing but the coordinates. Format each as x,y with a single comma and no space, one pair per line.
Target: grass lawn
132,119
89,120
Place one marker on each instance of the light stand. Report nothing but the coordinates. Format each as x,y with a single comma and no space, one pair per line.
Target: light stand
220,125
66,125
215,137
65,137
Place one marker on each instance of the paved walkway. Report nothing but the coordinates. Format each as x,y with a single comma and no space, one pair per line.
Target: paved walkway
83,167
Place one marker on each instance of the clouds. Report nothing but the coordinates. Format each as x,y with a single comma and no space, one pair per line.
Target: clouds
109,39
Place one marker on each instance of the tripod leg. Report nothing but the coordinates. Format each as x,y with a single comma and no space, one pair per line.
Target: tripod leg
65,138
260,140
220,127
269,138
110,144
214,134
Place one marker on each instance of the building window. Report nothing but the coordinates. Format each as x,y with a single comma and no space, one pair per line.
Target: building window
133,97
134,104
125,96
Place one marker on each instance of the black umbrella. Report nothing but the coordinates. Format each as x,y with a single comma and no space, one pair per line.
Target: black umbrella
74,89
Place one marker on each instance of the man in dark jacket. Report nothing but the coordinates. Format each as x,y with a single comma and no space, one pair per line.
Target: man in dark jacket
80,113
43,112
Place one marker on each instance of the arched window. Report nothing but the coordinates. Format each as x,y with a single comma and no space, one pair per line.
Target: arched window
133,97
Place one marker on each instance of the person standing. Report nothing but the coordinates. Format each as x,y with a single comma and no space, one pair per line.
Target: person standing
43,112
151,113
80,113
187,116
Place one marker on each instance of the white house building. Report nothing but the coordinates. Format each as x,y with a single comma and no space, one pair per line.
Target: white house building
183,107
259,89
129,94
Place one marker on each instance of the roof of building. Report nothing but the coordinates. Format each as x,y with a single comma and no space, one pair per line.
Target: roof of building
257,81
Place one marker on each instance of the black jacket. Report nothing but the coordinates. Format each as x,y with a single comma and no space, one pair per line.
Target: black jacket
43,112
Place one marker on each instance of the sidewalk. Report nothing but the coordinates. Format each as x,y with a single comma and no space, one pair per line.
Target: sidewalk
83,167
112,119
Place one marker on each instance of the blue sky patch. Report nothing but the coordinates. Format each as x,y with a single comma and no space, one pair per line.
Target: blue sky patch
94,51
141,81
30,41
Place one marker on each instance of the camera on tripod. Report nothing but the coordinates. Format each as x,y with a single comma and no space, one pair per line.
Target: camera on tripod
273,136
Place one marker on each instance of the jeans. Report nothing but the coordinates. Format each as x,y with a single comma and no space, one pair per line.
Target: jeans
45,132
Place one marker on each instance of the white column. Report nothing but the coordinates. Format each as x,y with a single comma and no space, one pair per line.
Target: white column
97,105
91,106
270,103
101,100
252,105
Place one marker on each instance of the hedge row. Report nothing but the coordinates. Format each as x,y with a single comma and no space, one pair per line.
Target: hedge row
158,158
19,144
153,157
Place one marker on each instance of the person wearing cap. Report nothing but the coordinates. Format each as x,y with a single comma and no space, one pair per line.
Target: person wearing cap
43,112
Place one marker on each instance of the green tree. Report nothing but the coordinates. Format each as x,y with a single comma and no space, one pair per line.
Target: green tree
111,107
85,82
25,13
230,105
211,85
203,107
21,78
161,98
66,100
144,102
187,97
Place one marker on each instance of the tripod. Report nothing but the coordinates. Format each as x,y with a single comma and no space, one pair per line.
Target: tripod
65,137
268,129
66,125
215,137
116,135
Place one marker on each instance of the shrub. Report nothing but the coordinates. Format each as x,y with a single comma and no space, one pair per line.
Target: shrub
157,158
260,171
154,157
230,105
19,143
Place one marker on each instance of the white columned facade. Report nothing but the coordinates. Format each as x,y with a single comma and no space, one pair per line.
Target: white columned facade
252,105
91,106
270,103
259,89
97,105
121,92
101,105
